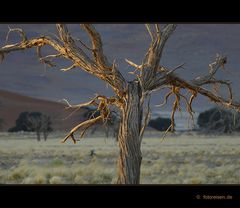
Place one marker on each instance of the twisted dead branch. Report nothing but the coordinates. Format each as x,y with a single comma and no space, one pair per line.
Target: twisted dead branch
103,107
66,47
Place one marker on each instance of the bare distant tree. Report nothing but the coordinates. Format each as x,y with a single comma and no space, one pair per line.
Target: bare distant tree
39,123
130,97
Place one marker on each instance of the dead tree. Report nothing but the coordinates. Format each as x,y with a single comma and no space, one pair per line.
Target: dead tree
130,97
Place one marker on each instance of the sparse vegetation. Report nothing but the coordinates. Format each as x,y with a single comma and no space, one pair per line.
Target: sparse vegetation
130,98
194,159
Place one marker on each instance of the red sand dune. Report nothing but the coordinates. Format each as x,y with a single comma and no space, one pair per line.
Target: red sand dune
12,104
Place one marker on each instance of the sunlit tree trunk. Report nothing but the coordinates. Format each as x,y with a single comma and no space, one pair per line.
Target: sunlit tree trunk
130,157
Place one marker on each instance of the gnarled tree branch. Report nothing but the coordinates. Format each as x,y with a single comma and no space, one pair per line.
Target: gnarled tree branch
85,125
103,106
153,56
67,48
195,87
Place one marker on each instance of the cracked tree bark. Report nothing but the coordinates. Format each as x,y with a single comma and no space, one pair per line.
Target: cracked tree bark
130,157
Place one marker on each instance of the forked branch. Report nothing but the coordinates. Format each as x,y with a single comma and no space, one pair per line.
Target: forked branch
154,53
18,30
103,107
68,49
195,87
85,125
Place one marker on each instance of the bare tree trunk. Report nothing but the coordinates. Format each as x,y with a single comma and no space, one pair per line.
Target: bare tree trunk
130,157
45,135
38,136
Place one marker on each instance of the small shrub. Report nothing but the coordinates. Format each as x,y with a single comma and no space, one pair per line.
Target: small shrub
39,179
28,180
79,180
18,174
103,178
55,180
196,181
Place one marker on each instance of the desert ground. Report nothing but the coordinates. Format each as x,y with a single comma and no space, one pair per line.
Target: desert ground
181,158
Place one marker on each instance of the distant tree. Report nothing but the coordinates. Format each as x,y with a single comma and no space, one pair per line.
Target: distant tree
21,123
236,121
219,120
204,117
161,124
33,122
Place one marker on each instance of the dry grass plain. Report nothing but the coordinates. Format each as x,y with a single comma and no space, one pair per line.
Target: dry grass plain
179,159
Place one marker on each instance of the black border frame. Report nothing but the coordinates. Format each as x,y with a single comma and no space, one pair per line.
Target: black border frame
113,195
